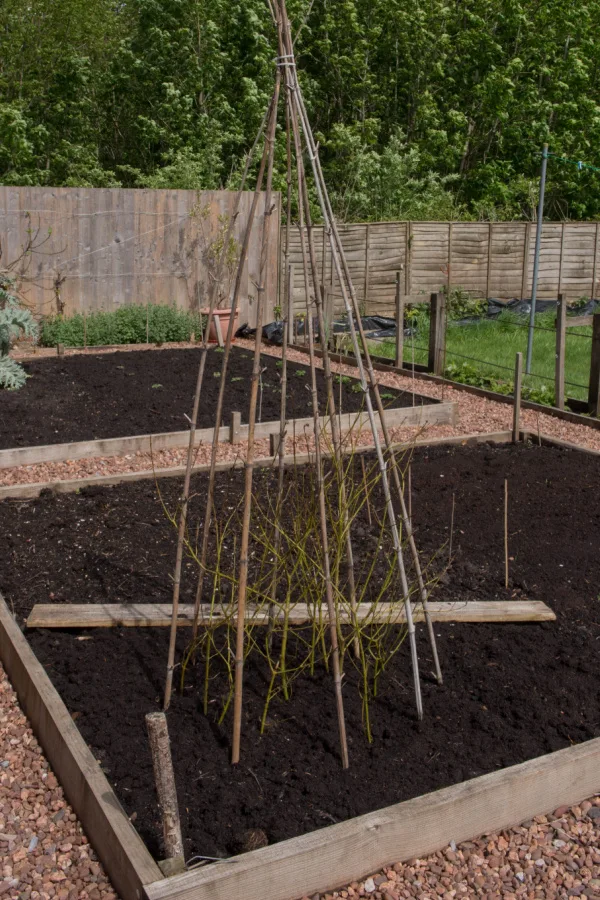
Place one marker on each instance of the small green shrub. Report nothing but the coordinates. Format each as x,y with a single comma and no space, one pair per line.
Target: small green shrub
126,325
15,319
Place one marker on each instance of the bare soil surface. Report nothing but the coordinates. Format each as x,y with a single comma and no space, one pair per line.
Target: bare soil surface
511,692
85,397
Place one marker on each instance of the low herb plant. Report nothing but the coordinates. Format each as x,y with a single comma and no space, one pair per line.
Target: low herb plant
126,325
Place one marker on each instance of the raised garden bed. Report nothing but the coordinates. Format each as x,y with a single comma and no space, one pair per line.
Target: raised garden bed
111,395
512,692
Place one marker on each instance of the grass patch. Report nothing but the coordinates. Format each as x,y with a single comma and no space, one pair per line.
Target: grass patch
484,354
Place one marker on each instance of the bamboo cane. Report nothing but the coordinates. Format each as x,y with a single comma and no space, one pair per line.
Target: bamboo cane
223,379
304,202
333,630
352,310
245,537
193,423
341,258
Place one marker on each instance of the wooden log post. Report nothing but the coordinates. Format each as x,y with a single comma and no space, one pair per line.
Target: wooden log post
594,388
60,349
164,777
559,370
399,320
517,397
437,334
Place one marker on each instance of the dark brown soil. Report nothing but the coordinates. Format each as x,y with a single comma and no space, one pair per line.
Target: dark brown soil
511,692
82,398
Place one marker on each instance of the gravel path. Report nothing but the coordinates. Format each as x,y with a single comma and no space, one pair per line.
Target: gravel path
45,854
43,850
476,415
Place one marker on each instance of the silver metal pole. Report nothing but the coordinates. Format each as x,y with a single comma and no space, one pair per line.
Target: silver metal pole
536,258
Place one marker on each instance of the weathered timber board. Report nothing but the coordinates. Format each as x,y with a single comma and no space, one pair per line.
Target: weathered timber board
67,486
93,615
349,851
428,414
120,848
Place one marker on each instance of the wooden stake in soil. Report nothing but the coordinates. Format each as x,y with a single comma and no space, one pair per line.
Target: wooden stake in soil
451,530
147,323
164,777
506,532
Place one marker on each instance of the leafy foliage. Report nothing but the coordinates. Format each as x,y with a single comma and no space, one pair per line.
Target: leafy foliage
126,325
423,110
15,320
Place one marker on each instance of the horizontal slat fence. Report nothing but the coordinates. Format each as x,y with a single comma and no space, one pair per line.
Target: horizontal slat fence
121,246
487,259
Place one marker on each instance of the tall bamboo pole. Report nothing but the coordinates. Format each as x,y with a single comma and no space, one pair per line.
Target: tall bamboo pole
353,311
245,538
304,202
313,152
193,423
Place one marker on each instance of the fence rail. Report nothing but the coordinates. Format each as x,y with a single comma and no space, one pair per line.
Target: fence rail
487,259
112,247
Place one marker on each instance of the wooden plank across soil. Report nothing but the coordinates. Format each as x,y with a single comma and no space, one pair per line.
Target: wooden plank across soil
93,615
117,843
350,850
428,414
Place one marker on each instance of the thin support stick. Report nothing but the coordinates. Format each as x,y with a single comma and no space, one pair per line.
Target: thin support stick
506,532
451,530
352,311
193,423
223,379
256,372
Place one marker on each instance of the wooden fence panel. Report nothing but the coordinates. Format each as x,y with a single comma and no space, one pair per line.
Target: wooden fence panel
112,247
485,259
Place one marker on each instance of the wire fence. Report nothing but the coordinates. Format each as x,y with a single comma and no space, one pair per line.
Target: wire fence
485,364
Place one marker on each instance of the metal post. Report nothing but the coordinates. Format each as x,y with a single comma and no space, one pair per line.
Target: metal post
536,258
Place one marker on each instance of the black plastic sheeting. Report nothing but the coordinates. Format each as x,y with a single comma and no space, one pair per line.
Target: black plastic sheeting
382,328
374,326
523,308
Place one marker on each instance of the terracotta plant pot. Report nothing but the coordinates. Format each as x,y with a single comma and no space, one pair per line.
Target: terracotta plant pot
224,316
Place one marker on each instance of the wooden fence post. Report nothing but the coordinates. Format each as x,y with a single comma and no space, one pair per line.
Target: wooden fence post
289,313
559,370
399,320
525,272
594,389
517,397
327,299
437,334
489,262
367,265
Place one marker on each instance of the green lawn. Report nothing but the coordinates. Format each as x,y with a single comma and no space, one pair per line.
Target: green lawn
484,353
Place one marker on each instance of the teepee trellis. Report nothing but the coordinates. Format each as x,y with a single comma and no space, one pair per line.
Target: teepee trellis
300,144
